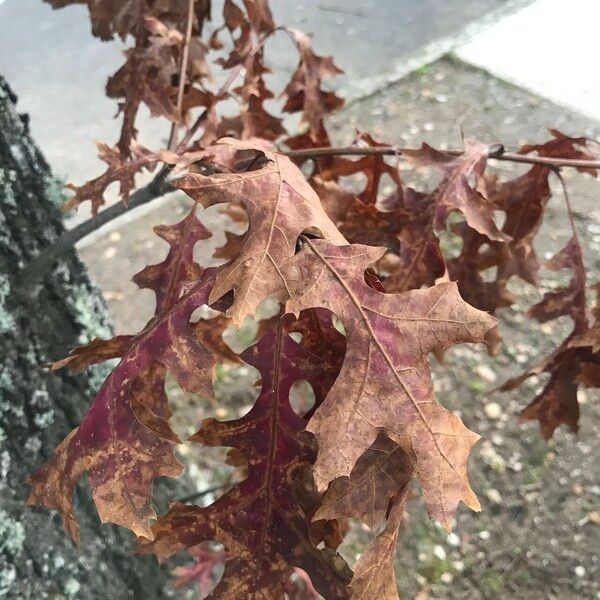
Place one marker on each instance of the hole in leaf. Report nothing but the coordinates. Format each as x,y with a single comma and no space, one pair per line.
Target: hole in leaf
296,336
205,569
236,388
253,327
372,280
489,275
338,324
213,471
499,217
300,585
387,187
355,183
302,397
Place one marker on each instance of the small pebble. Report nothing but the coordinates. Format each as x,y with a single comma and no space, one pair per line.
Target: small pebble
114,236
109,253
458,565
484,535
439,552
492,410
447,577
579,571
494,496
485,373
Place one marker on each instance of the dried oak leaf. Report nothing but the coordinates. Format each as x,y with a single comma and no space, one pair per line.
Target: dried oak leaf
120,17
280,206
568,300
170,277
96,351
109,17
454,191
591,337
304,93
563,146
467,270
372,167
419,258
123,442
557,403
385,381
167,278
321,338
119,170
378,475
264,532
374,575
523,200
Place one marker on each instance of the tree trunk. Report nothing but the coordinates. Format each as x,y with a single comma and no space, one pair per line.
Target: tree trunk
38,408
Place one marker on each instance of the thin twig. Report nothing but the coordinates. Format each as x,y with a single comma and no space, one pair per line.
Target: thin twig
182,72
499,154
221,92
207,491
579,273
28,281
567,197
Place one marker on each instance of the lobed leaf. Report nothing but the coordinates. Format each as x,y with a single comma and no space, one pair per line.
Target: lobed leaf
264,531
280,206
385,382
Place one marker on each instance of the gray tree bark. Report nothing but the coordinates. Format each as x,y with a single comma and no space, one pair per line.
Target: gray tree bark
38,408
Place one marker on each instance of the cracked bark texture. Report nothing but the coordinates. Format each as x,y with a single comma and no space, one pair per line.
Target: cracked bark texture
38,408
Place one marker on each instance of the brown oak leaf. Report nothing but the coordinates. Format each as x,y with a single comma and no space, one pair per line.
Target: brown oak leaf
124,440
454,191
304,93
280,206
385,382
120,170
167,278
96,351
264,532
557,403
374,575
378,475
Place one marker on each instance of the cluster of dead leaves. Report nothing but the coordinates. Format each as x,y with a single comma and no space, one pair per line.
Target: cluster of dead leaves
367,292
375,426
174,76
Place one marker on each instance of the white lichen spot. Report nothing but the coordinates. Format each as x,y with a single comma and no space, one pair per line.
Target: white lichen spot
44,419
6,319
89,314
8,575
12,536
72,587
4,464
33,444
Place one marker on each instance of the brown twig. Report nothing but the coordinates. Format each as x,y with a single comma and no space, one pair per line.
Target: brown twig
182,72
498,154
28,281
206,492
221,92
568,205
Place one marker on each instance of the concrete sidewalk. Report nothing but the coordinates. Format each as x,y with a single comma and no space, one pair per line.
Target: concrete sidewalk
551,47
58,70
